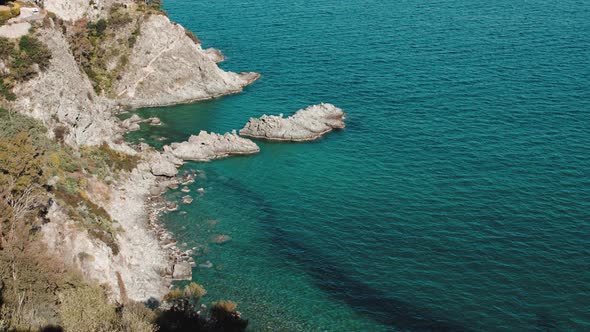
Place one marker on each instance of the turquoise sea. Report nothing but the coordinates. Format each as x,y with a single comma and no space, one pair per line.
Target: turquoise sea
458,196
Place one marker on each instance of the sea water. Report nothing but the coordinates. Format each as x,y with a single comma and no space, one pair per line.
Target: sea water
458,196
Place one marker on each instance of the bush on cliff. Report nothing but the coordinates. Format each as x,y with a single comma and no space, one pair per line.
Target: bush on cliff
35,50
20,60
102,48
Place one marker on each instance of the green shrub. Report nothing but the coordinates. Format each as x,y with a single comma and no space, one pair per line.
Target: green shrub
6,47
119,16
97,29
36,51
6,91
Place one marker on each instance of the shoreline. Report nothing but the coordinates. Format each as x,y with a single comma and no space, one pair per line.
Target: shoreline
157,206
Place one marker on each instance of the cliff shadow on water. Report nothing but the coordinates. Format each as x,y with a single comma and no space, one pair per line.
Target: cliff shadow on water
339,284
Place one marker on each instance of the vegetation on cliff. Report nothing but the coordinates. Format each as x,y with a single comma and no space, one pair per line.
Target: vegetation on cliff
38,289
21,59
102,48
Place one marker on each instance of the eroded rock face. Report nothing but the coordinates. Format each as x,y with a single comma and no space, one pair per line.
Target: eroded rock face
140,260
62,96
167,67
305,125
208,146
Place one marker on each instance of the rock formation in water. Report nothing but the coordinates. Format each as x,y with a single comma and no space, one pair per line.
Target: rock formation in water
208,146
305,125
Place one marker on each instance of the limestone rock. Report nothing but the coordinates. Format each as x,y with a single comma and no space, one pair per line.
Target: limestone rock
305,125
166,67
205,146
214,54
164,165
182,271
140,258
15,30
187,200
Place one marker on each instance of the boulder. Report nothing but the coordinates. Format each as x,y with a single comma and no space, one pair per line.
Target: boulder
163,167
221,238
305,125
182,271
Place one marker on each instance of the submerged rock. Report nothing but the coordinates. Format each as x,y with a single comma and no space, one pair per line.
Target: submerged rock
221,238
305,125
187,200
206,265
171,206
205,146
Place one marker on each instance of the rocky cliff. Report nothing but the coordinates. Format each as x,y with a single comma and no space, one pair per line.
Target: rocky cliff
162,65
167,67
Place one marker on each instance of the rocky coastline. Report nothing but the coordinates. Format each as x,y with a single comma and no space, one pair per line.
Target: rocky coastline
158,63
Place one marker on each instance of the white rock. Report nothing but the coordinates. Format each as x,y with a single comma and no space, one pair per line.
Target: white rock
205,146
305,125
16,30
162,165
182,271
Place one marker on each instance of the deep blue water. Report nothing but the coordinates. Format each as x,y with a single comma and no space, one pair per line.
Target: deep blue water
458,196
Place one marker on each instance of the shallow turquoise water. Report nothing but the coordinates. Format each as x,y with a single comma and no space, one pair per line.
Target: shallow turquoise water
458,196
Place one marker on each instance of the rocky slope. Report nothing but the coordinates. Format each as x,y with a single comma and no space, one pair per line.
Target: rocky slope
305,125
141,263
62,96
167,67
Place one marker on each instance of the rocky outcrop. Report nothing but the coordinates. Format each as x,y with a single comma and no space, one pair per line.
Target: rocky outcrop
205,146
305,125
167,67
62,96
164,164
